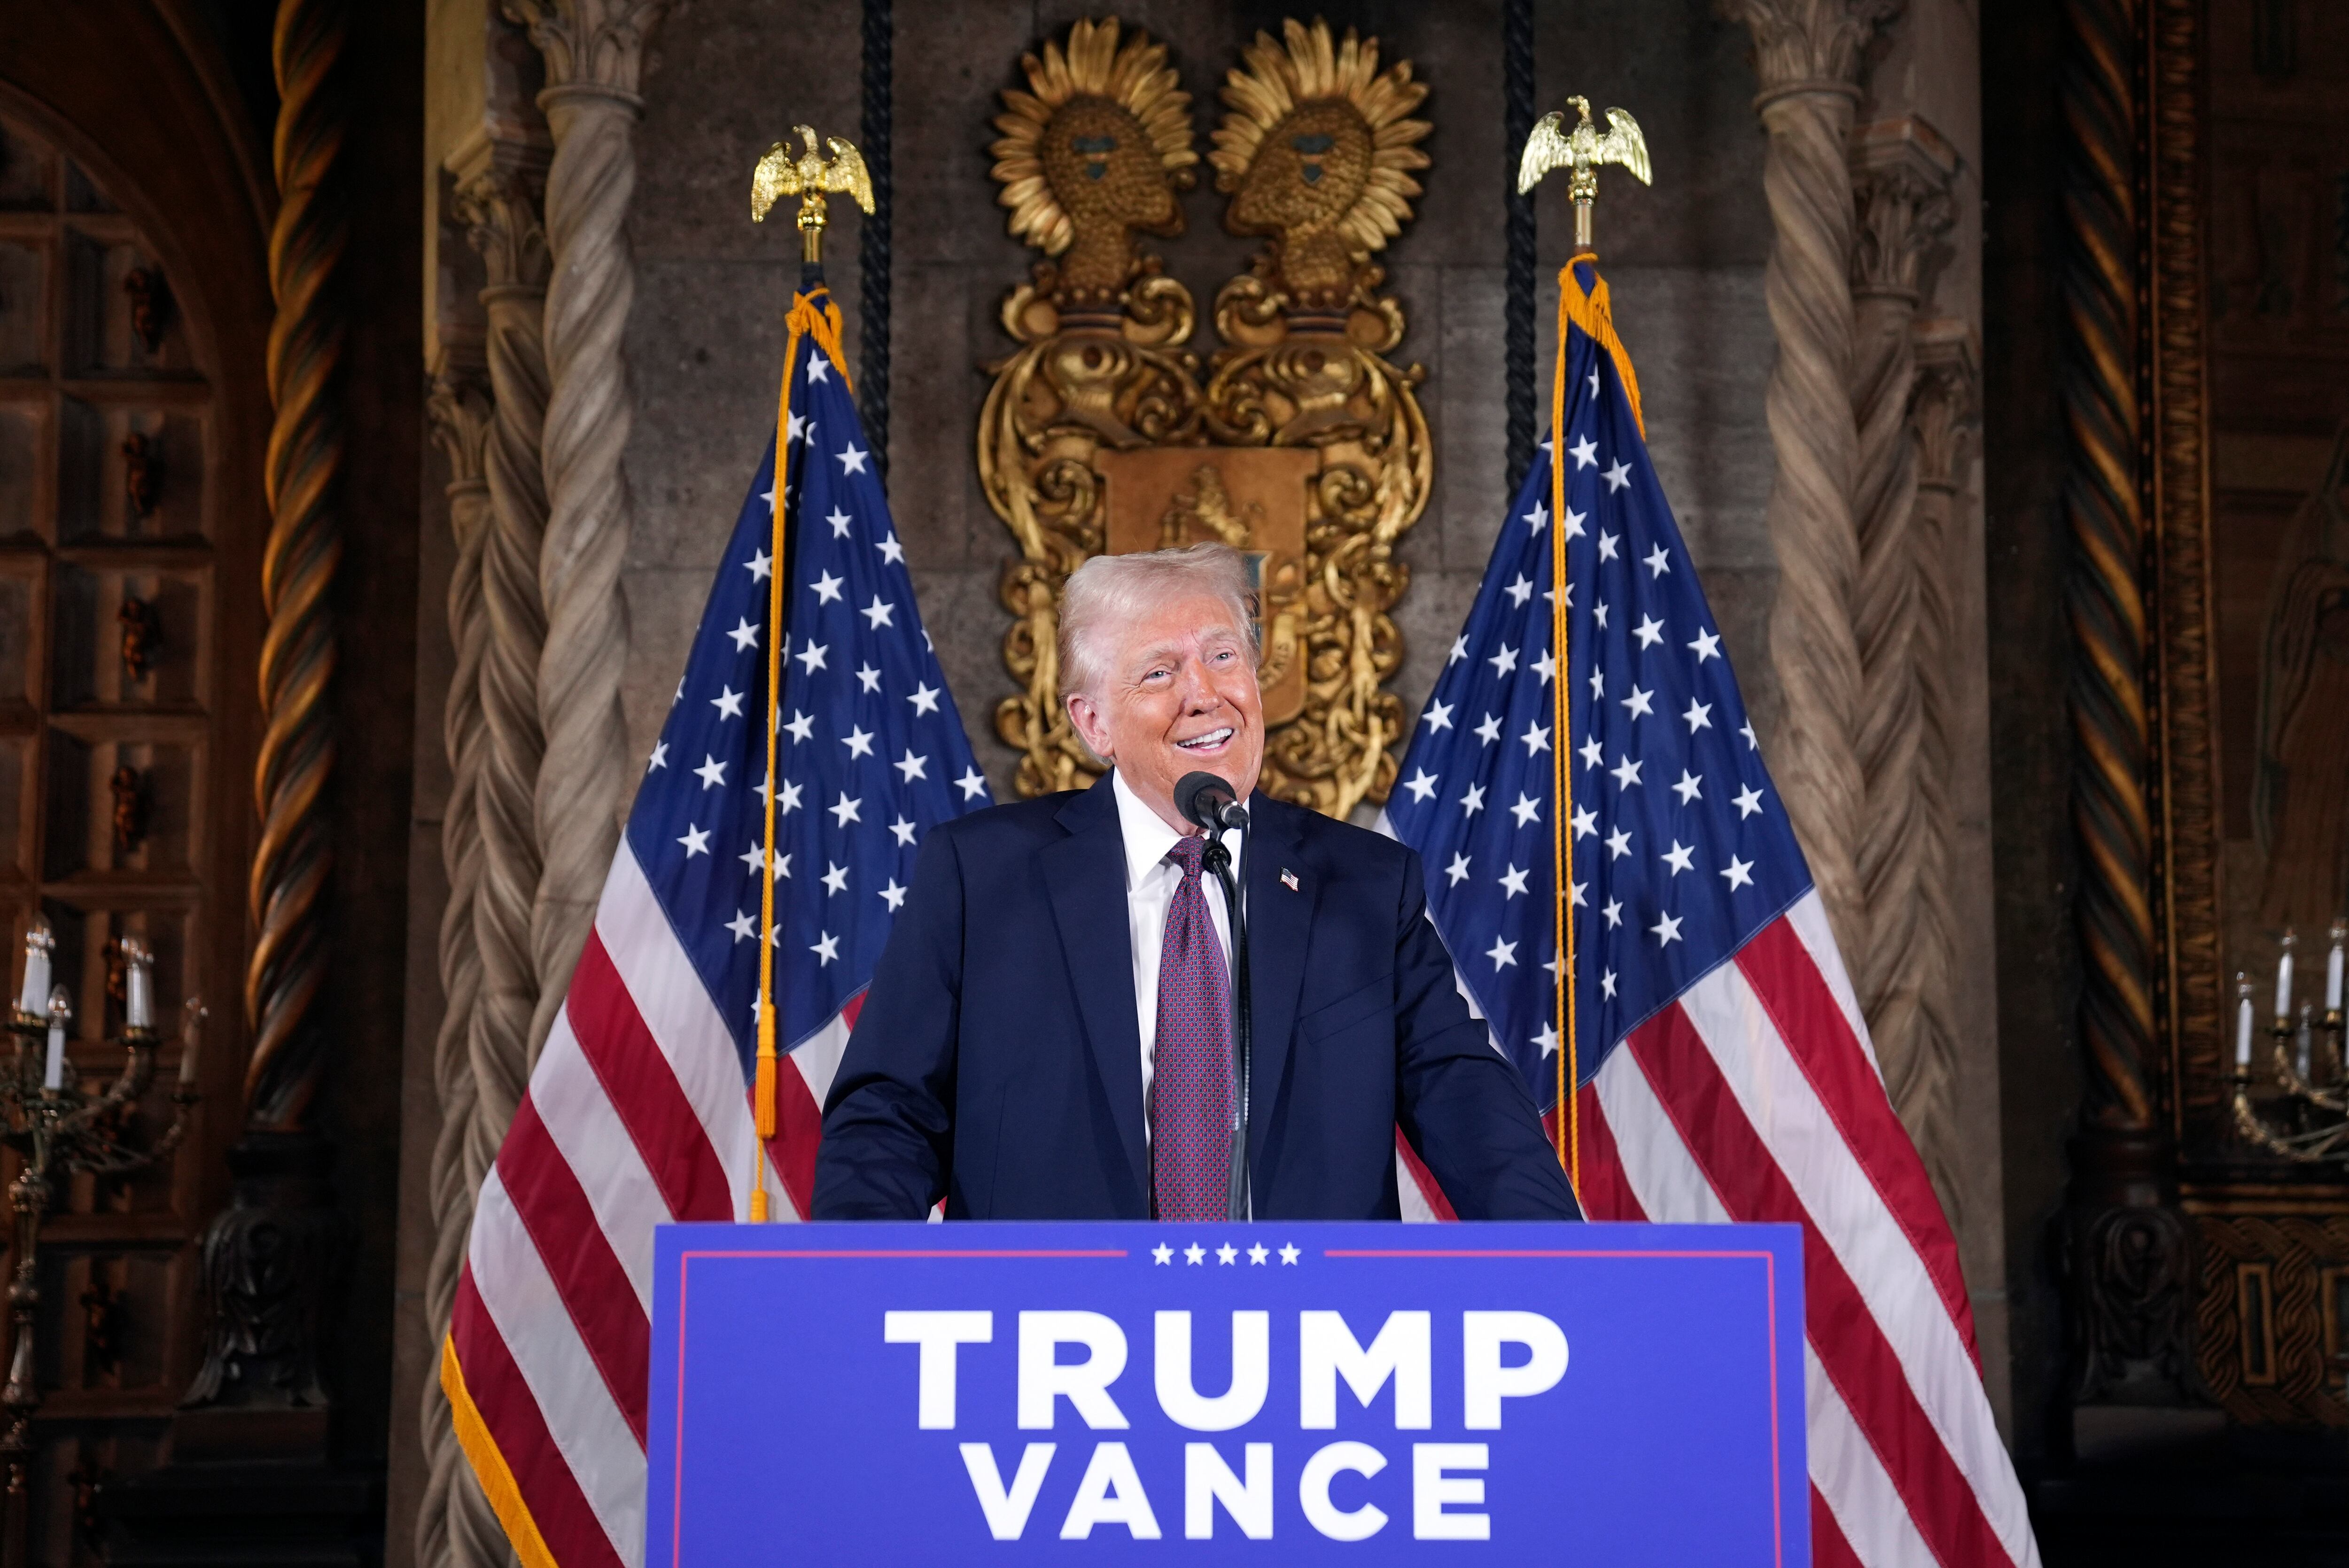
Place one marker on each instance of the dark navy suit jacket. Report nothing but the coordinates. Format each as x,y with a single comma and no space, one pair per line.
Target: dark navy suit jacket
997,1063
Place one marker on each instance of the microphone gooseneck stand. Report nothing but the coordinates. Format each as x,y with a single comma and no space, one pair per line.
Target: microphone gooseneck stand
1218,860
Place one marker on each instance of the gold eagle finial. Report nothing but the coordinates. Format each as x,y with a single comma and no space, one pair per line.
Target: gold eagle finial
811,177
1581,151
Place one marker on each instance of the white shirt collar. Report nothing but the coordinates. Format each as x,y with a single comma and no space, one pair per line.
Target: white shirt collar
1148,836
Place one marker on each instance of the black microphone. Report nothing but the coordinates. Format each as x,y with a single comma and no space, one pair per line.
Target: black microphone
1206,802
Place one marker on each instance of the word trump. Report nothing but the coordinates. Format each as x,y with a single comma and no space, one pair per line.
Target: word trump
1068,1367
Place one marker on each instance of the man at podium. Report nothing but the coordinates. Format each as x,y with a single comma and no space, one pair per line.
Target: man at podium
1051,1031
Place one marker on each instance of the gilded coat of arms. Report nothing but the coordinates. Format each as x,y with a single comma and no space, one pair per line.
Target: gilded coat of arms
1297,442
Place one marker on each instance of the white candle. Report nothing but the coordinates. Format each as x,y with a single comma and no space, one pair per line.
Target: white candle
2333,966
34,997
2283,976
2242,1024
53,1073
138,985
2304,1051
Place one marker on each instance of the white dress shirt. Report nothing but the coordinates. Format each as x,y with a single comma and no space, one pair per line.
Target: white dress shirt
1151,880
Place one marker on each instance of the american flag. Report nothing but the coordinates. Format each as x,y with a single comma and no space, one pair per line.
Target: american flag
1725,1072
638,1111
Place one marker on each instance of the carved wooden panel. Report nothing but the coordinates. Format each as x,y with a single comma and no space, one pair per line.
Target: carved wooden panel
2270,1313
107,452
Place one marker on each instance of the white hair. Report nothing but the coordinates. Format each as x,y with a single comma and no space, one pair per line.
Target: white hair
1111,590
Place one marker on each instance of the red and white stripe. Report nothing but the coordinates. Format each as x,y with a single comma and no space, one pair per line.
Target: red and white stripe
636,1115
1755,1096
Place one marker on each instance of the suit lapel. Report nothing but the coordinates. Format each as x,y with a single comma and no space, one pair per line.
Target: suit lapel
1281,922
1086,875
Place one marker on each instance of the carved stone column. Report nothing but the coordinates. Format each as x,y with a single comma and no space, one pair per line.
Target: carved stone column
594,50
1901,171
1943,411
1806,54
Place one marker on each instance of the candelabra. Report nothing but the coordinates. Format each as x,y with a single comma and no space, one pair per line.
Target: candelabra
55,1129
2311,1122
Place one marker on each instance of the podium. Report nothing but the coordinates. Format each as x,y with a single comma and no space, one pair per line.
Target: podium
1017,1393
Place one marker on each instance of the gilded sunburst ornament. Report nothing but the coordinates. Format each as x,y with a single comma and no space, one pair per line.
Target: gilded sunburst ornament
1316,149
1093,153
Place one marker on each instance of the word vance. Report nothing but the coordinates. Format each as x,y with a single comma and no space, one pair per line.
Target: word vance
1070,1363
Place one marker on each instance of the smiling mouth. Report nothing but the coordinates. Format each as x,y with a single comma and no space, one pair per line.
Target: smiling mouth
1210,741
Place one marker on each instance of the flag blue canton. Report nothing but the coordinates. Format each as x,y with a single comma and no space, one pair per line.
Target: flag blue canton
870,749
1681,848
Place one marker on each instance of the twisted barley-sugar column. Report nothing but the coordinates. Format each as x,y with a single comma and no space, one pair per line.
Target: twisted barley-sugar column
1806,55
2103,511
304,465
458,416
1901,173
500,207
593,51
1941,413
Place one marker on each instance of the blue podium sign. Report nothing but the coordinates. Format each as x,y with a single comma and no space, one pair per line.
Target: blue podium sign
1622,1395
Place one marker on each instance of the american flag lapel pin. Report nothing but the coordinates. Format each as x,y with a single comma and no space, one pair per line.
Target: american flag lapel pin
1289,879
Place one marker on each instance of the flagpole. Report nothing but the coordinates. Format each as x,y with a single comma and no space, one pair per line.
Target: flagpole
810,177
1580,150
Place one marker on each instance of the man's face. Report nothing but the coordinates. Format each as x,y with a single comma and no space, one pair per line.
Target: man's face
1177,695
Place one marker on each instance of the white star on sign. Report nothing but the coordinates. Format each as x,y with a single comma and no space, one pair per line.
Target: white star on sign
1585,452
826,949
741,925
1504,661
1667,929
827,588
1619,476
1437,717
834,878
696,842
760,566
891,550
1649,631
1698,715
1537,519
925,698
1195,1254
660,756
852,461
1163,1253
1258,1253
801,727
845,808
1520,591
711,771
1706,646
1512,882
904,830
745,634
1618,843
1626,771
1289,1254
893,895
973,783
1504,955
1586,823
1527,808
1739,873
911,766
1747,801
1677,857
868,679
859,742
1657,561
1536,739
1690,787
1473,801
1490,730
727,702
1227,1253
812,654
1458,870
1422,784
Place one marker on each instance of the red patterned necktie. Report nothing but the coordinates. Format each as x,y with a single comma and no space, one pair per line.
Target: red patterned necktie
1191,1073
